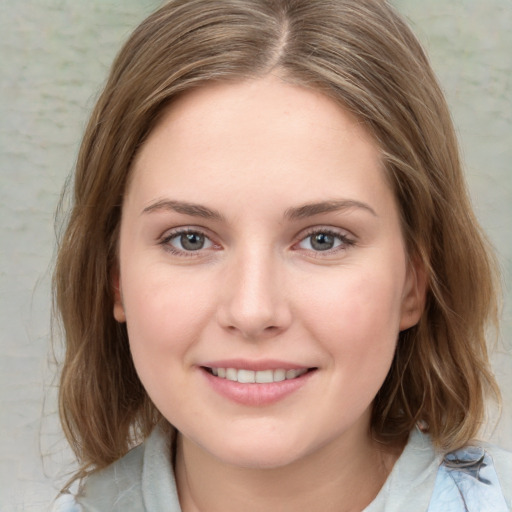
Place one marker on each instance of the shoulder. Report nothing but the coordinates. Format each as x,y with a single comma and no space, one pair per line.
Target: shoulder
117,487
502,460
142,480
423,478
478,475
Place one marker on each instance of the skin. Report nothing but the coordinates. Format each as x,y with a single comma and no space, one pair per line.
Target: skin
252,152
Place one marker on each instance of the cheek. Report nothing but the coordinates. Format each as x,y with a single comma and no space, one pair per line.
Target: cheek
165,315
164,318
356,316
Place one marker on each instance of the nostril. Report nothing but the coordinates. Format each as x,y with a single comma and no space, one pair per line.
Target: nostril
250,332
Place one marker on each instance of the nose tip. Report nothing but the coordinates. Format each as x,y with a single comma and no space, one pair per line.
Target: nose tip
253,316
254,304
251,328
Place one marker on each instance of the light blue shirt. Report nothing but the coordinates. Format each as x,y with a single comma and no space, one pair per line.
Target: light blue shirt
467,481
474,479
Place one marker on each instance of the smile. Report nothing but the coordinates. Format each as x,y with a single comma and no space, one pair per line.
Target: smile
245,376
262,385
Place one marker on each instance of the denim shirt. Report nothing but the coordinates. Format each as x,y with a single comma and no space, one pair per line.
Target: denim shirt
421,481
467,482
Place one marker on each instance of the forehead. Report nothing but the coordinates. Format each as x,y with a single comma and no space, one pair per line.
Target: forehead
250,133
265,104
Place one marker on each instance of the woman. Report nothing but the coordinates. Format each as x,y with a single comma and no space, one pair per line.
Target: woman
272,280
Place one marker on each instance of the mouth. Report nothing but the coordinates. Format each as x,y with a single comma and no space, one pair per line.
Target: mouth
245,376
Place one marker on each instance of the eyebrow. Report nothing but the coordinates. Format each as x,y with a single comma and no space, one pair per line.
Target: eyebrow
192,209
312,209
296,213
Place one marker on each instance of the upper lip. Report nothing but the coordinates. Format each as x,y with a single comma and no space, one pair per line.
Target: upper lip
255,365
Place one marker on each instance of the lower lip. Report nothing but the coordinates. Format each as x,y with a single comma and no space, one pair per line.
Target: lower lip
256,395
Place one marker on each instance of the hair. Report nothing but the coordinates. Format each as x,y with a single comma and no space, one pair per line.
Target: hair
361,54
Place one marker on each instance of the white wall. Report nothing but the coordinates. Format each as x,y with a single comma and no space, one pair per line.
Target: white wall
470,46
53,56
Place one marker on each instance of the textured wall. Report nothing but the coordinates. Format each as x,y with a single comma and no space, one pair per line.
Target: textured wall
54,55
470,46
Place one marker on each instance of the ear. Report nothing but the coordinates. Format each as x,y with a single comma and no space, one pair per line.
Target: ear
119,313
415,291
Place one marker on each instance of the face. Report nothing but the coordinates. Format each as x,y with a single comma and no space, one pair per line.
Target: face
263,274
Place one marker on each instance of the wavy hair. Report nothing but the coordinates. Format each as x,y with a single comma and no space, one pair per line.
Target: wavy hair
359,53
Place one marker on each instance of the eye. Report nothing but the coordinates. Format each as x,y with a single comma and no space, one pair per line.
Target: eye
323,240
186,241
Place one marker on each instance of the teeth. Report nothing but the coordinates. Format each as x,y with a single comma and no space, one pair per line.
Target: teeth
246,376
231,374
264,376
279,375
260,376
291,374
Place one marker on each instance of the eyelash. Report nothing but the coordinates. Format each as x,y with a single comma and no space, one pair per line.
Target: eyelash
345,241
165,242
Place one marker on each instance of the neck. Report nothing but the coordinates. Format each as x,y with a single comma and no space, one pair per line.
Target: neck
343,476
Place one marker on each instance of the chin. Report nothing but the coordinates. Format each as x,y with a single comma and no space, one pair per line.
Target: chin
260,453
258,460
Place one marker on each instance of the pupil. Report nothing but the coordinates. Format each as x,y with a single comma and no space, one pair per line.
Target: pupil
192,241
322,242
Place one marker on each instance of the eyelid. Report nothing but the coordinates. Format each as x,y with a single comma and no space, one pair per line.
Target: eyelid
169,234
346,237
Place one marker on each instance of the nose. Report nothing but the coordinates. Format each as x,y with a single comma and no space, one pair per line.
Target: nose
254,303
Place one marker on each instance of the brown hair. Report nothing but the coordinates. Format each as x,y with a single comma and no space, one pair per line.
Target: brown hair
361,54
